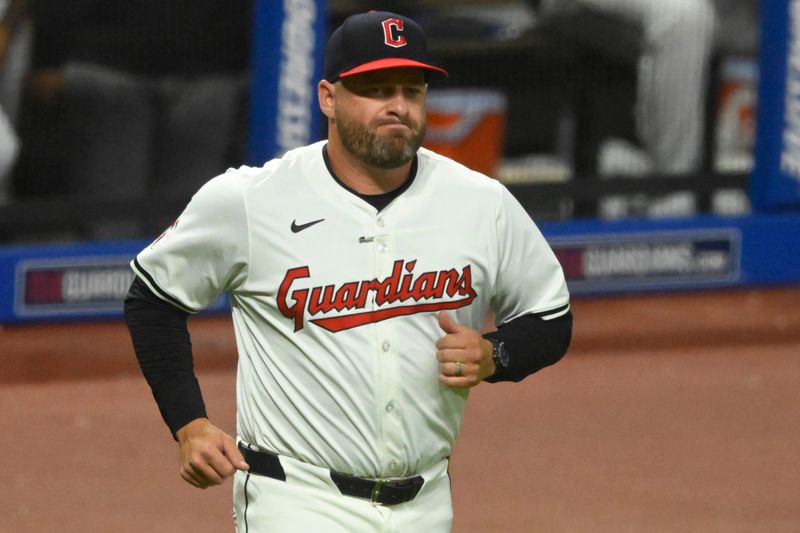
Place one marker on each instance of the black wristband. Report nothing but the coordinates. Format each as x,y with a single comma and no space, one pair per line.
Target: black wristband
530,344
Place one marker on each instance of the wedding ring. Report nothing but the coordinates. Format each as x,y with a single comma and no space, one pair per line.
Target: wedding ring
458,368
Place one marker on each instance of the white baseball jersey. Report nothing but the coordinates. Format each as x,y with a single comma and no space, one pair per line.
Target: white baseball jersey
334,303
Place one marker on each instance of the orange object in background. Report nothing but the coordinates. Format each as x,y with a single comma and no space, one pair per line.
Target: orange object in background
467,125
736,115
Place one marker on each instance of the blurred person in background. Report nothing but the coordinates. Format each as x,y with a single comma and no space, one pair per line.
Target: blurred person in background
15,39
148,95
672,43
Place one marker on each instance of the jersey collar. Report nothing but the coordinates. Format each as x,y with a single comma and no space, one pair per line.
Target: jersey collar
378,201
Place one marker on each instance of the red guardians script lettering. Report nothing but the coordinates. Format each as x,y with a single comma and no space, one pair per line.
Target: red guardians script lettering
404,292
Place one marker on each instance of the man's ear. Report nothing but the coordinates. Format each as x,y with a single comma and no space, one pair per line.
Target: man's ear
326,94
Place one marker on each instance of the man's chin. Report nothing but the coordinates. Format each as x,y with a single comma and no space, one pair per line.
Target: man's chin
397,139
391,160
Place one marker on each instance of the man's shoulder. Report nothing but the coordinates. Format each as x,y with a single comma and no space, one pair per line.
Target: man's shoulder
245,175
308,151
449,172
250,176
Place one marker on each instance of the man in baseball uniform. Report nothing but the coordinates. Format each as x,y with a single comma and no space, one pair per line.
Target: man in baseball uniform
360,270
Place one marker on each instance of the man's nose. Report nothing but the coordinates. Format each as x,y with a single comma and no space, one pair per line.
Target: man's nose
398,102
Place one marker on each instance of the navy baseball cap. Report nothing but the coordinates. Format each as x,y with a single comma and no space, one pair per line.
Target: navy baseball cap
375,41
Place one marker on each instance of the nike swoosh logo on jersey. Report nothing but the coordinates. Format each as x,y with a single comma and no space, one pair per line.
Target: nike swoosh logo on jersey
297,228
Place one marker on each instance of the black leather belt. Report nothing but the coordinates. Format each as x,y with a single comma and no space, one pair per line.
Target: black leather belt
383,491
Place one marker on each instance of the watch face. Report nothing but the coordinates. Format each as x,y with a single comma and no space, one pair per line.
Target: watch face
500,354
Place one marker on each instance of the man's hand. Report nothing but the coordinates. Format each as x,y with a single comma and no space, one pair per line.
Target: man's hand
207,455
462,349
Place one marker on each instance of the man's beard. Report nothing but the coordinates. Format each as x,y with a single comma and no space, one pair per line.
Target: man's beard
384,152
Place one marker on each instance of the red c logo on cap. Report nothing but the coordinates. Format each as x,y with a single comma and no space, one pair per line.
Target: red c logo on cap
391,33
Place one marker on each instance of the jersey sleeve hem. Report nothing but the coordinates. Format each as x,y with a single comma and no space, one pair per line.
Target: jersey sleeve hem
547,314
550,314
145,276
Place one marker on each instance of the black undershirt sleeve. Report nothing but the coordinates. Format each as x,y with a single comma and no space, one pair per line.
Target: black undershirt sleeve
532,344
163,348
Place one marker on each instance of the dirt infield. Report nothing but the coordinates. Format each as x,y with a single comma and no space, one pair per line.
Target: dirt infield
670,413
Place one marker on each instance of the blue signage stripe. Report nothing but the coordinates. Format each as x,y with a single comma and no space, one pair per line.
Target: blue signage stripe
288,47
776,176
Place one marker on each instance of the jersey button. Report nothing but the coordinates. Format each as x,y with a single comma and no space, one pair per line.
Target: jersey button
385,346
382,247
390,407
380,223
393,466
